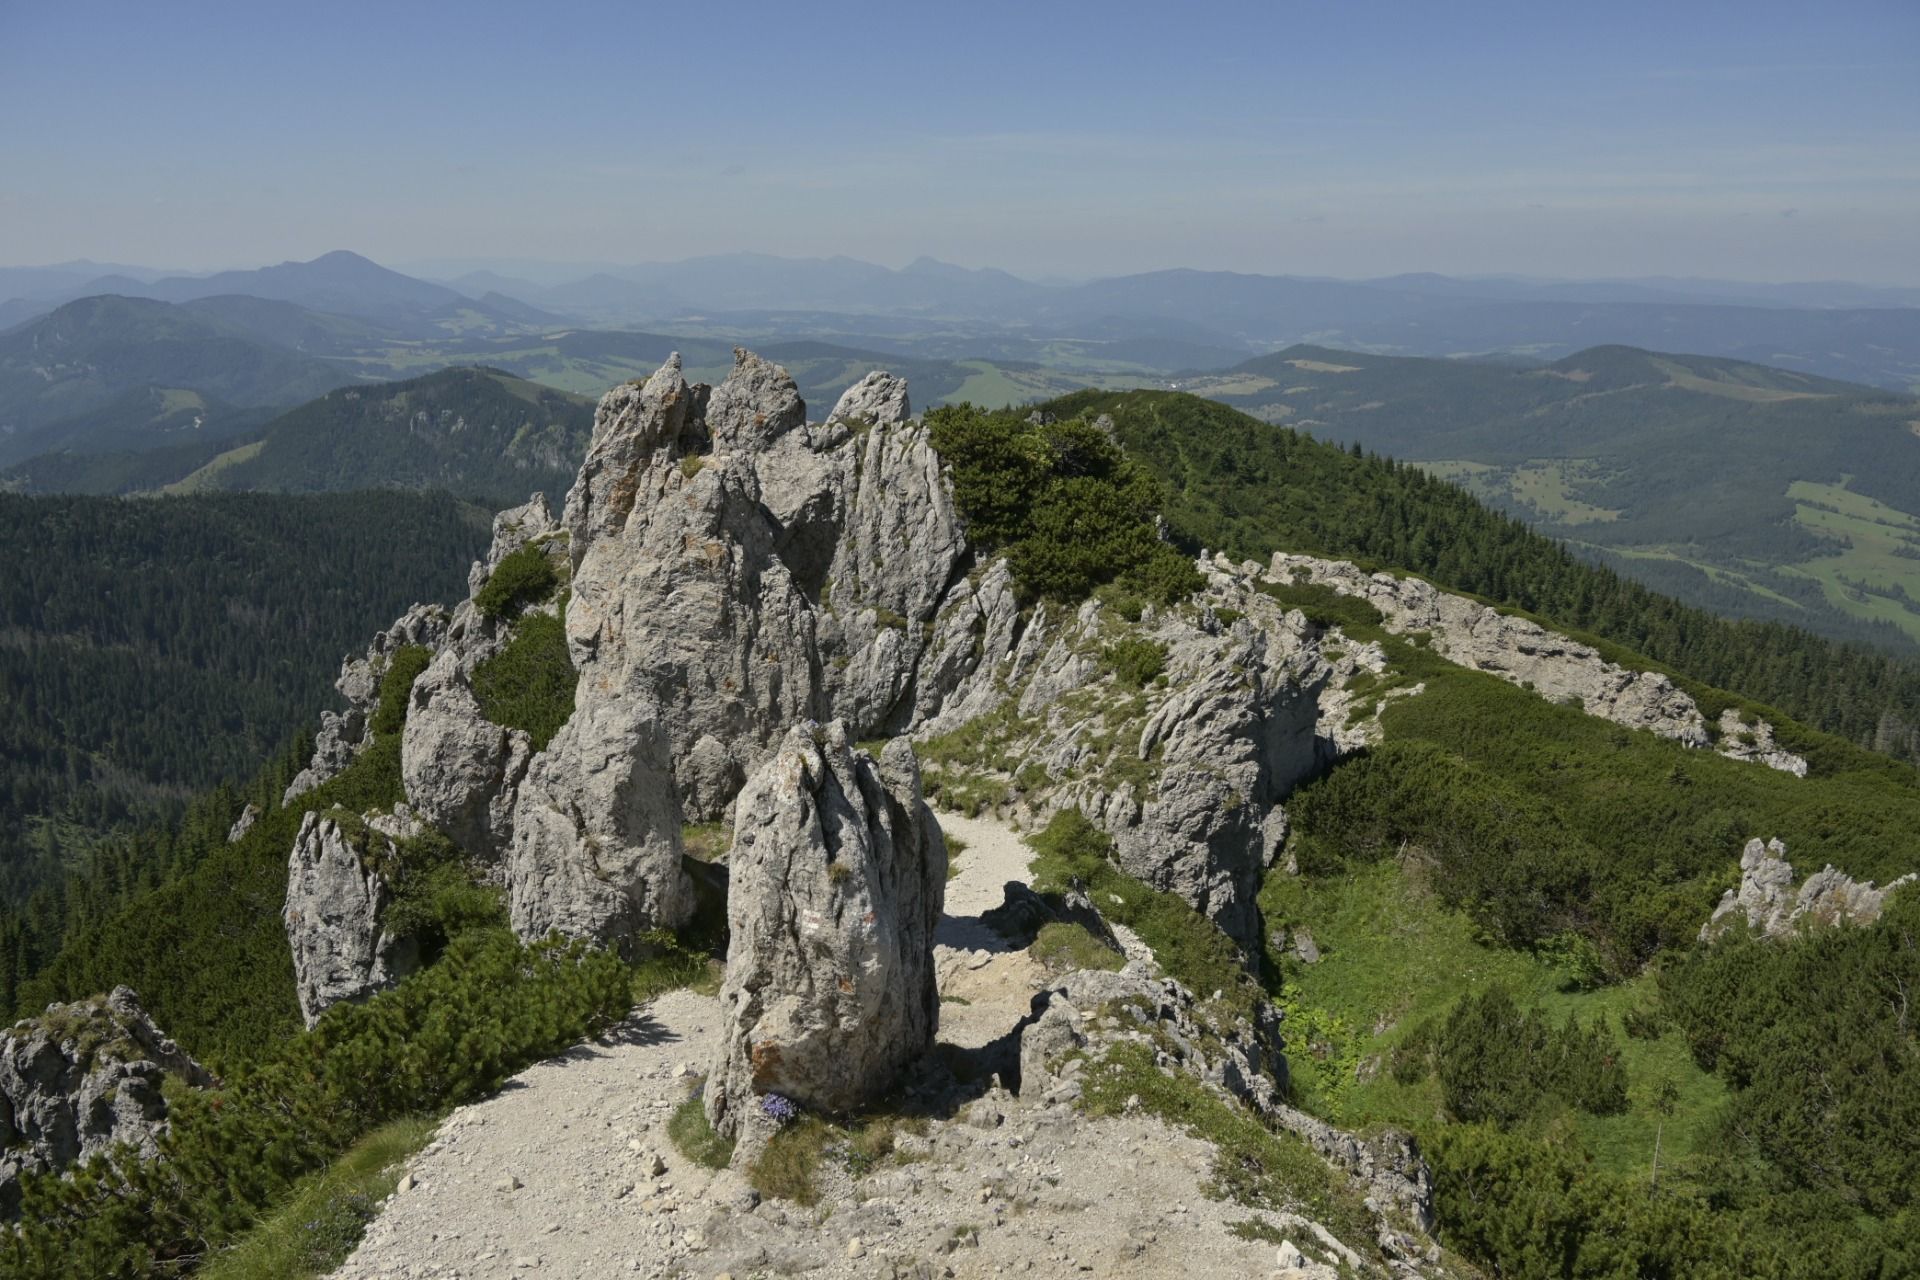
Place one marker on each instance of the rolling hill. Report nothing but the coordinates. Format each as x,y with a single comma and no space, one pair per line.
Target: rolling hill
1751,490
472,431
58,372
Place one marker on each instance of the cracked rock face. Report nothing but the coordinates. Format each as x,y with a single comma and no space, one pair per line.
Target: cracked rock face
879,400
743,570
1766,899
1188,776
461,771
335,915
343,734
596,837
734,570
80,1079
838,877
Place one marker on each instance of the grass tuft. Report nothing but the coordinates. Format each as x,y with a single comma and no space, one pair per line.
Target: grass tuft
694,1138
1063,946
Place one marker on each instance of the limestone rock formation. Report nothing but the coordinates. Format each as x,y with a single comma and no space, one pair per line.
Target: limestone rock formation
461,771
1742,741
596,837
1767,902
335,914
1514,649
343,734
838,876
878,400
243,823
682,610
898,549
1188,776
80,1079
512,529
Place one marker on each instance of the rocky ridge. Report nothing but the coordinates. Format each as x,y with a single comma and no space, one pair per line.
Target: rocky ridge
578,1175
1525,653
731,575
80,1080
1769,905
344,734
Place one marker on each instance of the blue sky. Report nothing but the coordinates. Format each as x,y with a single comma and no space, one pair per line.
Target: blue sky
1761,140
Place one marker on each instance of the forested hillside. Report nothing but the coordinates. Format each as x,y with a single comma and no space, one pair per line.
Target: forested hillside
153,649
57,374
479,433
1742,488
1237,484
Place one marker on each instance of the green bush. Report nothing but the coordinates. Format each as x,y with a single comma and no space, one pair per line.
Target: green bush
448,1035
1062,501
403,668
529,684
523,577
1820,1042
1530,1208
1135,660
1502,1064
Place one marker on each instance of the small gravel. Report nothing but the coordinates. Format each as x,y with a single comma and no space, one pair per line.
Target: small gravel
568,1171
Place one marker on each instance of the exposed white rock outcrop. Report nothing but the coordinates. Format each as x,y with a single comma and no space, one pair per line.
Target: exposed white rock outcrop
1768,903
1552,665
1518,651
461,771
596,836
79,1080
838,875
513,528
344,734
336,912
1187,774
877,400
1742,741
243,823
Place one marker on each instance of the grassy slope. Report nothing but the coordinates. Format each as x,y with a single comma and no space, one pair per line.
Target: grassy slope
318,1224
1392,957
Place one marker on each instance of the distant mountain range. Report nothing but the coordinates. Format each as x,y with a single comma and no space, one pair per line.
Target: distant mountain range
1154,322
338,284
1756,490
1770,473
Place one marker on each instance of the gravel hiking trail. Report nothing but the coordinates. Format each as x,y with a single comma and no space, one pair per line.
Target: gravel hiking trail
568,1170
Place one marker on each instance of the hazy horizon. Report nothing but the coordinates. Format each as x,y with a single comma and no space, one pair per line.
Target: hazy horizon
1759,142
550,271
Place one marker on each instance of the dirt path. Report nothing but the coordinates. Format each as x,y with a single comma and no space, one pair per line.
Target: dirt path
568,1171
